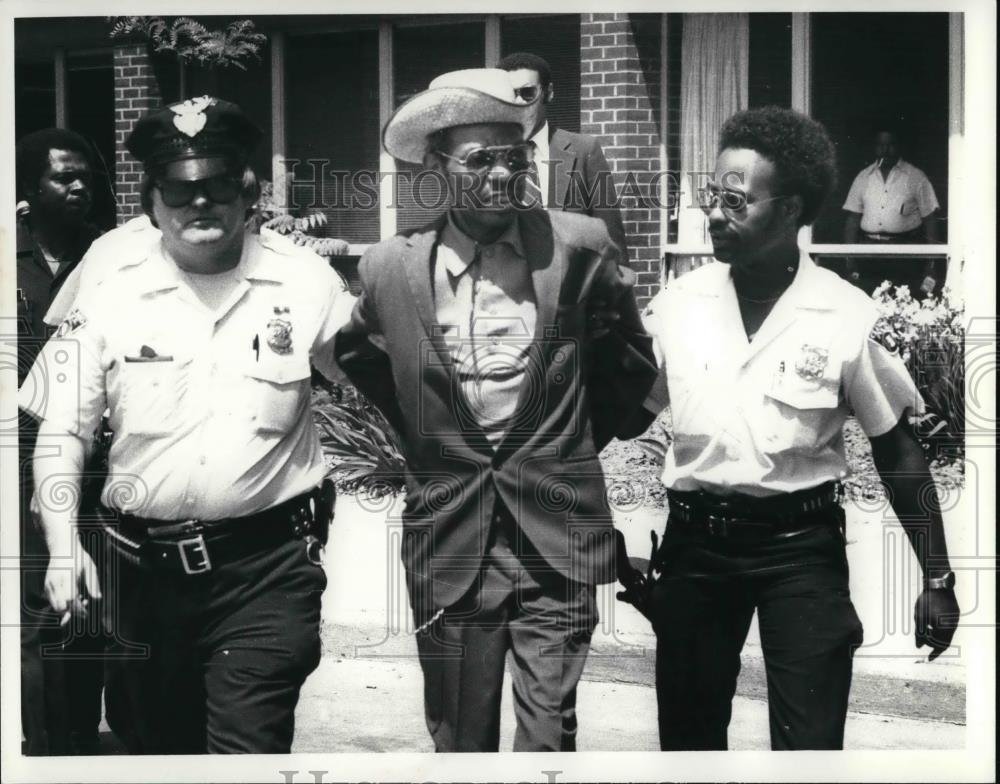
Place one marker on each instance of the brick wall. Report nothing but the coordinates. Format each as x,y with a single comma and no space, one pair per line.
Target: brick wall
620,104
136,93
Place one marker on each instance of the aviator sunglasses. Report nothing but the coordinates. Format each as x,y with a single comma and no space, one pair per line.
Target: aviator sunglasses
730,201
529,93
518,157
222,189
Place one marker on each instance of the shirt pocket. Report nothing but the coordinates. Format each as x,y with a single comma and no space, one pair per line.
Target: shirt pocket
154,396
910,206
278,393
799,412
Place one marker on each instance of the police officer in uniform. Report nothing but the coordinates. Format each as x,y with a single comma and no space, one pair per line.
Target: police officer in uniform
758,401
201,353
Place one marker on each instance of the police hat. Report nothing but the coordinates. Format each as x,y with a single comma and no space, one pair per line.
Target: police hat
194,139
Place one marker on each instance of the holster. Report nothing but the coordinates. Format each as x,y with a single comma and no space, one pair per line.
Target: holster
324,505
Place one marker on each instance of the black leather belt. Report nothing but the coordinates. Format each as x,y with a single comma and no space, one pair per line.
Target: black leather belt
743,515
196,546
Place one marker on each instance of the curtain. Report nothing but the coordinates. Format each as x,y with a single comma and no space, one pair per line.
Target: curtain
715,56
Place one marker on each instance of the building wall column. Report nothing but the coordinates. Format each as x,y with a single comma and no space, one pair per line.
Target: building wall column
620,97
136,93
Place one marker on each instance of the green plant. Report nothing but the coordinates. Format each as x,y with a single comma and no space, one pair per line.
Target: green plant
359,445
191,41
268,214
929,336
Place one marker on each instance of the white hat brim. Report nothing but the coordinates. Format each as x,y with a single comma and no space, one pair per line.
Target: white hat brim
405,135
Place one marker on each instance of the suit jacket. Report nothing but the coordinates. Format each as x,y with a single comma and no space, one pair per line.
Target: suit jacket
545,469
581,181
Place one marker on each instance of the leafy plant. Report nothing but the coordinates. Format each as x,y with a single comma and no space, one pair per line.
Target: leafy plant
268,214
359,445
929,337
191,41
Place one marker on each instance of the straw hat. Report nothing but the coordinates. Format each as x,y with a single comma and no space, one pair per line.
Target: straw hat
469,97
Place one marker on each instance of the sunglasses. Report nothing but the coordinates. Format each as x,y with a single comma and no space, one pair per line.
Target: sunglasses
528,93
729,201
222,189
517,157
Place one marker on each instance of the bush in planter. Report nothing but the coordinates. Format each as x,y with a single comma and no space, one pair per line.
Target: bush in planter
268,214
929,336
358,444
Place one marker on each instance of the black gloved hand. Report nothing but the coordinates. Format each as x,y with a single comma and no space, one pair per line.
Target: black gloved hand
638,586
935,617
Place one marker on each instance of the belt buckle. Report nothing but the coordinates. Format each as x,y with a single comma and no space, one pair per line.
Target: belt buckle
197,547
717,525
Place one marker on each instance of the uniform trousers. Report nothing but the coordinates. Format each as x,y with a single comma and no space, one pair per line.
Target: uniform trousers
227,650
519,610
809,630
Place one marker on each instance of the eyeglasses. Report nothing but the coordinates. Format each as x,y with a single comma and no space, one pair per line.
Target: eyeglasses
528,93
517,157
222,189
729,201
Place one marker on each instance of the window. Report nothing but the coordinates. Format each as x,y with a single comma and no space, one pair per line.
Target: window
717,64
421,53
879,69
251,89
556,39
90,96
331,94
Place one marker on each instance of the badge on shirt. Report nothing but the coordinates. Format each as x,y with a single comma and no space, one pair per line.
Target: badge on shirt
279,333
812,362
73,321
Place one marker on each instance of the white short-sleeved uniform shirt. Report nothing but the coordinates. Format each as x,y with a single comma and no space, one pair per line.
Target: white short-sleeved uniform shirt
766,417
893,206
209,409
117,249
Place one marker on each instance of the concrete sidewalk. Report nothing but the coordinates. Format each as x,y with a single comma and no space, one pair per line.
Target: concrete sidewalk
375,704
368,631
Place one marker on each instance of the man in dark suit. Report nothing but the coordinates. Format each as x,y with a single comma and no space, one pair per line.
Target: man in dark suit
60,693
481,336
577,177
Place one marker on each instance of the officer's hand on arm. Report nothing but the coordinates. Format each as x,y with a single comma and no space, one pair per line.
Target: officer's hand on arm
903,469
67,587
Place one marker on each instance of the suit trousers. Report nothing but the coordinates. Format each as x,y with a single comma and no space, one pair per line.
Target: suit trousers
809,630
521,611
226,651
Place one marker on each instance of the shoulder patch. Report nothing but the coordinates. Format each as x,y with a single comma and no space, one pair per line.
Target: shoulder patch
73,321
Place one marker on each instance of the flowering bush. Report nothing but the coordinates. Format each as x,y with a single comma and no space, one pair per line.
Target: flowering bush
929,336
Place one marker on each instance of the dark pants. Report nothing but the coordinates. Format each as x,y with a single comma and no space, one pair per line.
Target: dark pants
61,666
61,675
705,600
229,650
521,610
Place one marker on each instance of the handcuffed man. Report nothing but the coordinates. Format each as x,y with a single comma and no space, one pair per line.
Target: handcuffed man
481,336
